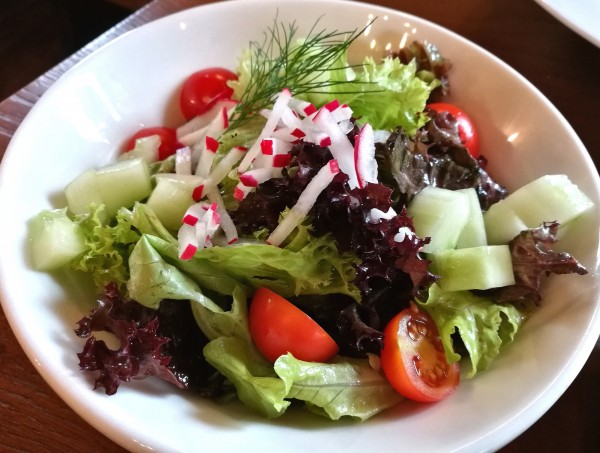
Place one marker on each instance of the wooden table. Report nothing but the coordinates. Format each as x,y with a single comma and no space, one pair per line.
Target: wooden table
561,64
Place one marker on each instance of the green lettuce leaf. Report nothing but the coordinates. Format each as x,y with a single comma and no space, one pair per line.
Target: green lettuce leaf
314,268
345,387
153,279
392,95
230,350
386,94
483,326
108,247
257,385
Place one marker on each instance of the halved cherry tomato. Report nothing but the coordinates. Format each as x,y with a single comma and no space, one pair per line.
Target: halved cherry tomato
168,140
203,89
413,357
277,327
466,129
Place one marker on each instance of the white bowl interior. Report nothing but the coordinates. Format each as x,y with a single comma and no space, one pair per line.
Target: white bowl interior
133,82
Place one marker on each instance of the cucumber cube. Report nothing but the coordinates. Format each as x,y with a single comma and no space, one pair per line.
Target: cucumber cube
473,268
117,185
549,198
54,240
123,183
473,234
145,148
83,191
169,201
440,214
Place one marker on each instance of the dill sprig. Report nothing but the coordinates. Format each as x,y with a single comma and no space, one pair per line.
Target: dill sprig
283,60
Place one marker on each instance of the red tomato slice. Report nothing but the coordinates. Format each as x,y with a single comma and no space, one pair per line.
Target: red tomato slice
203,89
168,140
413,357
278,327
466,129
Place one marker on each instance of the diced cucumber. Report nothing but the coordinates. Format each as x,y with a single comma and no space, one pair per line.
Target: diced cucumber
123,183
440,214
473,268
145,148
549,198
54,240
473,234
190,181
117,185
83,191
169,201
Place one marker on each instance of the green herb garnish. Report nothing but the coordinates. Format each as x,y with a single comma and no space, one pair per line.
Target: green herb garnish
283,60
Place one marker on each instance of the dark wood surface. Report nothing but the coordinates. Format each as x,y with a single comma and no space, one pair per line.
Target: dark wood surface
564,66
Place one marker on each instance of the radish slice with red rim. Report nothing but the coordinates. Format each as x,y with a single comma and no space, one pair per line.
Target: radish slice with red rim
183,161
341,148
278,108
364,156
305,202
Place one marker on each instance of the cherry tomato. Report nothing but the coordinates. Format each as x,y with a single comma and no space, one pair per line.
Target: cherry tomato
466,129
413,357
168,140
277,327
203,89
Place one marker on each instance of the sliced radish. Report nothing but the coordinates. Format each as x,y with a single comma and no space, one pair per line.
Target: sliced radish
303,108
381,136
305,202
224,166
340,147
342,113
364,156
200,223
278,108
188,241
288,134
241,191
193,214
332,105
211,145
256,176
226,222
183,161
193,137
199,122
346,126
290,119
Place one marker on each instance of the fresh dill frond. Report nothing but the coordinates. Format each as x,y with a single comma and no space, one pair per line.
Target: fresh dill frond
284,60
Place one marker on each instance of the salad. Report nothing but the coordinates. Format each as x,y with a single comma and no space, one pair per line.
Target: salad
316,232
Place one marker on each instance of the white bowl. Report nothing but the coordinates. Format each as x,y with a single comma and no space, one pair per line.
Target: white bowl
83,119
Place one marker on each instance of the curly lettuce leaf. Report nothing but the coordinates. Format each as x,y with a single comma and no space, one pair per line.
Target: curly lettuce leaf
386,94
108,247
482,325
345,387
140,351
392,95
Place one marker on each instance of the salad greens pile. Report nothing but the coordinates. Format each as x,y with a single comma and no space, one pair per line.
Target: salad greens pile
186,321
